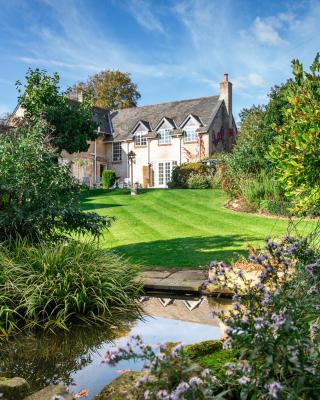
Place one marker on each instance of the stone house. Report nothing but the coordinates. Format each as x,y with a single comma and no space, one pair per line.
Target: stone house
161,136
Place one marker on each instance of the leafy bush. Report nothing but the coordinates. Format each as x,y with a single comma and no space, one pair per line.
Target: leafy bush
200,181
275,322
296,153
259,188
273,333
249,157
72,123
168,374
108,178
276,207
181,174
38,196
53,285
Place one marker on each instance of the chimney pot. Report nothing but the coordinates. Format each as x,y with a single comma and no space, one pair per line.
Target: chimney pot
225,78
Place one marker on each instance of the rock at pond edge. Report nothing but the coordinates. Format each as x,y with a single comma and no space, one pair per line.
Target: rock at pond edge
13,388
49,393
120,388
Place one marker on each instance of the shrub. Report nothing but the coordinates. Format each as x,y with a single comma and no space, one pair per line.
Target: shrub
53,285
182,172
274,322
276,207
200,181
296,153
273,335
262,187
38,196
108,178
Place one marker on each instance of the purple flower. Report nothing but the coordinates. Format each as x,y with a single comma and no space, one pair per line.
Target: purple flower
176,349
313,290
206,372
243,380
274,389
195,381
278,319
181,388
162,395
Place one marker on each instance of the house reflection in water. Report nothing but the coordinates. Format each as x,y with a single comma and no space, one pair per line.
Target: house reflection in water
190,309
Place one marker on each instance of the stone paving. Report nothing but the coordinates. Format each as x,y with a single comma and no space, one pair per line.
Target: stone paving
190,280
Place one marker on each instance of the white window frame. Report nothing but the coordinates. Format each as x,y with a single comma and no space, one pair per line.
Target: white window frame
190,135
164,171
116,152
140,139
164,136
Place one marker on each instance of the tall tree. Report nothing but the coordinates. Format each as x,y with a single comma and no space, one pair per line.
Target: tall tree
112,90
72,122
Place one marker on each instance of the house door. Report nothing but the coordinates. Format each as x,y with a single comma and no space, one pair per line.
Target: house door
163,172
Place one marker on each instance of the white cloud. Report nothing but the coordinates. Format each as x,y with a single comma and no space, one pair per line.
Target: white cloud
266,32
251,80
81,47
143,12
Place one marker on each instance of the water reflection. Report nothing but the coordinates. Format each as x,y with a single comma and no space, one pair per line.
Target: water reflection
73,358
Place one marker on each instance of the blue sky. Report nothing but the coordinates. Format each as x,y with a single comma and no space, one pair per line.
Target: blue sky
174,49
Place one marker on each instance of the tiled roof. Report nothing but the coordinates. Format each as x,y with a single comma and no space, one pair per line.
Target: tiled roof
203,108
100,116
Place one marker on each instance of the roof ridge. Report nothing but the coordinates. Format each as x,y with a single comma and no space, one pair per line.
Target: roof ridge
165,102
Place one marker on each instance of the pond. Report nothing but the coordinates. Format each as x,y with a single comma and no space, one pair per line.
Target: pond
73,358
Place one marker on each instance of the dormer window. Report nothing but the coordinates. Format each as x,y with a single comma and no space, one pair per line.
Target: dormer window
190,135
140,139
164,136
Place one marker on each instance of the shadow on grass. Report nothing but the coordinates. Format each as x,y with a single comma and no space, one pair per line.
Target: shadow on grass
188,252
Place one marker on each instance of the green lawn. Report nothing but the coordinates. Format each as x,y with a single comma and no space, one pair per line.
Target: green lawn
179,228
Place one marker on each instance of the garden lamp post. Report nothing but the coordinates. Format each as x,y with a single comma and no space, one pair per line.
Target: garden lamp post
131,158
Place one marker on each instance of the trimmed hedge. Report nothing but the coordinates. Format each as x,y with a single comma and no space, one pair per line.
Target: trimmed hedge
182,173
108,178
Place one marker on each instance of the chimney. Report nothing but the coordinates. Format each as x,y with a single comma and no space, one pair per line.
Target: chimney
79,95
226,95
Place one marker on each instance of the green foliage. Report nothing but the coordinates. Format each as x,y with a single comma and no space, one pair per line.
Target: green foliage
276,207
200,181
72,122
249,157
274,321
51,285
38,196
182,173
108,178
112,90
296,152
259,188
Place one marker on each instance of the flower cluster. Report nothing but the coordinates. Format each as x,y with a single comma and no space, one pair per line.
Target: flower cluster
274,326
274,321
168,373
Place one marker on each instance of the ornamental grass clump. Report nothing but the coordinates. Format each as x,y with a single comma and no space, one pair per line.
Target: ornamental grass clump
53,285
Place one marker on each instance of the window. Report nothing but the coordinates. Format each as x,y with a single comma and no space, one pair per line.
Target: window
160,173
140,139
167,172
190,135
164,171
116,151
164,136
